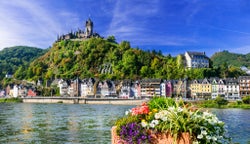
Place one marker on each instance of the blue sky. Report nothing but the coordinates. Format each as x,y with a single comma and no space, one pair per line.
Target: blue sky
167,25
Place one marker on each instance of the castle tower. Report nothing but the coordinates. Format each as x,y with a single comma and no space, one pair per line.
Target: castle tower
88,28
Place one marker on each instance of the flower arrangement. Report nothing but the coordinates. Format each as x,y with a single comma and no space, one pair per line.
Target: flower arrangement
164,117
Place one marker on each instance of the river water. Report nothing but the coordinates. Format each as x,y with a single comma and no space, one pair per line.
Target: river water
75,123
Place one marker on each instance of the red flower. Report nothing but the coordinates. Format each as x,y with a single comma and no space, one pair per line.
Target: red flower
143,109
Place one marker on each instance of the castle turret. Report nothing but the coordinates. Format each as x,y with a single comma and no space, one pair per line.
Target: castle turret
89,28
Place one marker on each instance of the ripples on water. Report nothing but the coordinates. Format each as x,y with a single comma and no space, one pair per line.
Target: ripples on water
57,123
237,123
68,123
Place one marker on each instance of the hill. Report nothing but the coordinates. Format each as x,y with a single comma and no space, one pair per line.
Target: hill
231,59
13,57
102,58
106,59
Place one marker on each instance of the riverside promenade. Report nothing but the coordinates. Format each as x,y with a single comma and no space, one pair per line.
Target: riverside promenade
79,100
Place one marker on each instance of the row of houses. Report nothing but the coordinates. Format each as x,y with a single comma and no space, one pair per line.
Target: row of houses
230,88
18,91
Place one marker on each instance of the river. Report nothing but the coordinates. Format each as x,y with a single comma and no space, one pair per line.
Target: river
83,123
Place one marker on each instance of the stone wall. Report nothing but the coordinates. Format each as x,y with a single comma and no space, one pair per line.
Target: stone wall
77,100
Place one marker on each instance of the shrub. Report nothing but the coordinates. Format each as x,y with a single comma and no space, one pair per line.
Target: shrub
10,100
246,100
239,102
220,101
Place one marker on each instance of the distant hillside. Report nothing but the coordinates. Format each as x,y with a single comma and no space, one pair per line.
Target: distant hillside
13,57
234,59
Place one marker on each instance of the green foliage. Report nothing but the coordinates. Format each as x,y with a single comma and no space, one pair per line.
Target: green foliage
246,99
220,101
10,100
232,59
161,103
13,57
206,104
222,104
111,39
70,59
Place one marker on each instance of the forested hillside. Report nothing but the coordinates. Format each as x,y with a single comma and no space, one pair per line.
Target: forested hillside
97,57
231,59
106,59
13,57
103,59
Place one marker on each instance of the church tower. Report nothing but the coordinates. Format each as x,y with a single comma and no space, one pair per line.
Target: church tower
88,28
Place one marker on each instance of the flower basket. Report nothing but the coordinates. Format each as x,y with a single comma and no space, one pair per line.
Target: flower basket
165,121
159,138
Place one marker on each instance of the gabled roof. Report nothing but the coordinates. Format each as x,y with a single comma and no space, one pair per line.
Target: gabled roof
205,81
192,54
244,77
198,81
231,81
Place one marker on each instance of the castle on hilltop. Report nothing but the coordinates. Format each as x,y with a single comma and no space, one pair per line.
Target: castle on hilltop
80,34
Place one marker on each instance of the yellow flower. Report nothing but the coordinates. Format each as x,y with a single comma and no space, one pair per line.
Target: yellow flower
154,110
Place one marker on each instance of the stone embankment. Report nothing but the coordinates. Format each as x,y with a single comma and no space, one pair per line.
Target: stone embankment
78,100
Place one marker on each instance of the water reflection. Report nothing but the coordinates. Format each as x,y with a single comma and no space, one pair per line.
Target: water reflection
57,123
68,123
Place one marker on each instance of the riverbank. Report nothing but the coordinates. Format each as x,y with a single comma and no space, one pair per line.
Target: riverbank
78,100
215,104
10,100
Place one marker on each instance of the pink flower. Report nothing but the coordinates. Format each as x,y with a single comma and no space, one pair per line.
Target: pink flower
143,109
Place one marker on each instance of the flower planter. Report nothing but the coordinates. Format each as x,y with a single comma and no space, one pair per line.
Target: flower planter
159,138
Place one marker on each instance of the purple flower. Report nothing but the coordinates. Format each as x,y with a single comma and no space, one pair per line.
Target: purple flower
134,133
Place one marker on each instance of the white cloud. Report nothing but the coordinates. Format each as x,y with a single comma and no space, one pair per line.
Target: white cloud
241,50
132,21
128,17
27,22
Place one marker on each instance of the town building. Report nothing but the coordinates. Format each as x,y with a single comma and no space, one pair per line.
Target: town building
74,88
196,60
232,89
106,88
169,89
126,89
87,87
8,75
150,88
195,88
218,87
63,87
244,85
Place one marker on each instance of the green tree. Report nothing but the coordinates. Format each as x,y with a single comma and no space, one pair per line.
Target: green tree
145,72
220,101
111,39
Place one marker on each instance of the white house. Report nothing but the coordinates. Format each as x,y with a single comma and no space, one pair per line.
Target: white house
218,87
126,89
15,91
63,87
8,75
164,88
232,89
87,87
196,60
